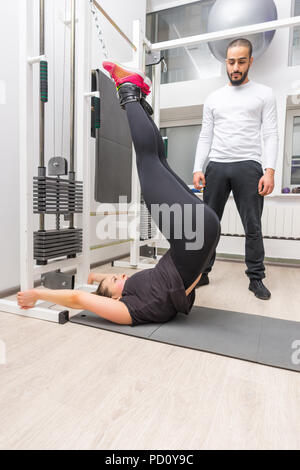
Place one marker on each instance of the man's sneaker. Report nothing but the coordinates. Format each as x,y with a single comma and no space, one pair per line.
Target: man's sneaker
259,289
204,280
122,75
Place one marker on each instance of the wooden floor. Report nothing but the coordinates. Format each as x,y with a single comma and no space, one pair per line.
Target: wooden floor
74,387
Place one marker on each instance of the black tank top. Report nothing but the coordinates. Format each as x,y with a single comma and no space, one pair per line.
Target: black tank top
157,294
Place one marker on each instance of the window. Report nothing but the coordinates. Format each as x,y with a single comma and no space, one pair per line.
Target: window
184,63
182,144
291,172
295,37
295,166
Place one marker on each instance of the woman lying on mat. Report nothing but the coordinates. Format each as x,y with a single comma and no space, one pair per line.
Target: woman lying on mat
156,294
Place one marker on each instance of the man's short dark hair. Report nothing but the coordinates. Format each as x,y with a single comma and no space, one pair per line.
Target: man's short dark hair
240,42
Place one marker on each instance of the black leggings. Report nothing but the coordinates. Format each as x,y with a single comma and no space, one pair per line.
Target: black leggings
192,229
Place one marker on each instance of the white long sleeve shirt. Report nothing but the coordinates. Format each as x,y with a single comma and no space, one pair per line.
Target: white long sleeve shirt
235,119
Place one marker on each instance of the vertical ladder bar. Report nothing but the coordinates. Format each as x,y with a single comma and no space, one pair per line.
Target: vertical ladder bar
138,60
84,143
26,148
42,104
72,99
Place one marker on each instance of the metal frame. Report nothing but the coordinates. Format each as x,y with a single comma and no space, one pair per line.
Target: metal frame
139,62
27,93
227,33
138,46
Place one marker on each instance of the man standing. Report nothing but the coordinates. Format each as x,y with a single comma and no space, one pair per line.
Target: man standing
234,117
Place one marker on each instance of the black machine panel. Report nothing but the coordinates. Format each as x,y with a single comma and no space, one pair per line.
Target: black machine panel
113,145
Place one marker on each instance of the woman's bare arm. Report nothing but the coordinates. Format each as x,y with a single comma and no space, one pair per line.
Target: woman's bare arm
65,297
110,309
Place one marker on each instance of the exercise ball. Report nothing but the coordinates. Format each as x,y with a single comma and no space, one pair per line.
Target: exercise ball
227,14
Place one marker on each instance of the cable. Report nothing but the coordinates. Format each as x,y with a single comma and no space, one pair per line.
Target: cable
53,69
64,71
99,31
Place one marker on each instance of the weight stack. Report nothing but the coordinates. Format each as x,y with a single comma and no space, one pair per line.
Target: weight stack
52,195
148,228
51,244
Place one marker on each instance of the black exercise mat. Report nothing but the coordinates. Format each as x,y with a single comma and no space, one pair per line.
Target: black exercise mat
254,338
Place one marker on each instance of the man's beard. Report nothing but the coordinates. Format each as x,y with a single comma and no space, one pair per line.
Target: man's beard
240,81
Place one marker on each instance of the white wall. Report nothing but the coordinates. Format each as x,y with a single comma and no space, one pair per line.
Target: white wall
9,167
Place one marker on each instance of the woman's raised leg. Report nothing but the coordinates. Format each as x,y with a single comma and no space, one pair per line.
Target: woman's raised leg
165,194
188,221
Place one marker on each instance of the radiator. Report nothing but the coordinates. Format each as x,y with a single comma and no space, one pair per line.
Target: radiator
280,219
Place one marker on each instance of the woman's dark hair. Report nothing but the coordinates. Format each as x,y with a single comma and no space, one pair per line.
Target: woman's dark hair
102,290
240,42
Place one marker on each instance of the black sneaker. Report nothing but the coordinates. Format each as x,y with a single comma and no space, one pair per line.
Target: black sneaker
259,289
203,281
128,92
